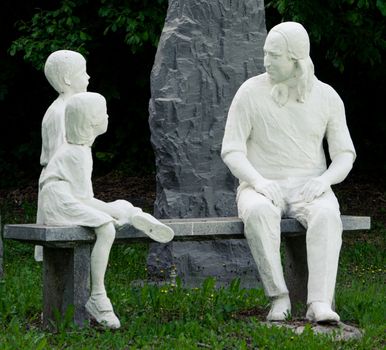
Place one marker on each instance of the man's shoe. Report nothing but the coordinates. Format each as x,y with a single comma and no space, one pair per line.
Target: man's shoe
280,308
102,311
322,313
152,227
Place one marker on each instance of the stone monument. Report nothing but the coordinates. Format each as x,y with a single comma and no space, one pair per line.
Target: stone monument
206,50
273,143
66,197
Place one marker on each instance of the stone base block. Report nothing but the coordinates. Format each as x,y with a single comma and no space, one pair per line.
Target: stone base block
66,283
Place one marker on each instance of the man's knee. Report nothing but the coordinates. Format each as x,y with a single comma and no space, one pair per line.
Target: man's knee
326,215
261,212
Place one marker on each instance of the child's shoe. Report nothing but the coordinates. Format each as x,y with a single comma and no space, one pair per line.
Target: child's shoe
152,227
101,310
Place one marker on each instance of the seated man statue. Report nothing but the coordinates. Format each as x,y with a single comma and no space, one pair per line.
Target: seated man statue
66,197
65,70
273,144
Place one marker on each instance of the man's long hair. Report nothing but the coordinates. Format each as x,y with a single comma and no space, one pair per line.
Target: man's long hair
298,47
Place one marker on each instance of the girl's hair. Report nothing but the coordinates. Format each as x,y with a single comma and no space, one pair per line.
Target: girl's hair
80,113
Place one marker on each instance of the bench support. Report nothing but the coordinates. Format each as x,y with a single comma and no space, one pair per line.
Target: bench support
296,270
66,282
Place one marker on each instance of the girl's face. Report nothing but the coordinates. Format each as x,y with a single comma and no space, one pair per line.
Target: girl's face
100,121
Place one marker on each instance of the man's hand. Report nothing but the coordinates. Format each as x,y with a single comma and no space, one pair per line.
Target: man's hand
314,188
271,190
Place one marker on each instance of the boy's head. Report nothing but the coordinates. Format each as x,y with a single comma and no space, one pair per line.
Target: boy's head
65,70
85,118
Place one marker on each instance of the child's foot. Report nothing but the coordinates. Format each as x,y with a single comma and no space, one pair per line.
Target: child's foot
152,227
280,308
101,310
322,313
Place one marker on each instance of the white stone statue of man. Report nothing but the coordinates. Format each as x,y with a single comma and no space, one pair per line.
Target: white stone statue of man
273,144
65,70
66,197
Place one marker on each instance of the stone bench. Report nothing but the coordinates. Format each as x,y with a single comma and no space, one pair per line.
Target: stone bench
66,266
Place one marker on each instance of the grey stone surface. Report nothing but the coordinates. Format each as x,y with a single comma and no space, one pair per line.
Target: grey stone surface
66,282
185,229
206,51
338,332
296,271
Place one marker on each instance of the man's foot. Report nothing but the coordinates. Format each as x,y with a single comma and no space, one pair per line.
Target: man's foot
280,308
322,313
152,227
101,310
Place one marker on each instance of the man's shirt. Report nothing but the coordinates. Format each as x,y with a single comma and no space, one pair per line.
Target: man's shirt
286,141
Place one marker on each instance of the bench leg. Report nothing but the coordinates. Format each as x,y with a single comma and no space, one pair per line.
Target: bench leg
296,271
66,282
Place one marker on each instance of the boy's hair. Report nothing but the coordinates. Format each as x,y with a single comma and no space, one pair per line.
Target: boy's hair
60,65
81,110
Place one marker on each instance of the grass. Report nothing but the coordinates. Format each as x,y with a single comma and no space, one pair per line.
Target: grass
171,317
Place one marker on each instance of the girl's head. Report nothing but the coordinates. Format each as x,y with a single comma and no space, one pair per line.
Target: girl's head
85,118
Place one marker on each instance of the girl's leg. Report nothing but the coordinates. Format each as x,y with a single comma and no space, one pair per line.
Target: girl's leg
100,257
99,305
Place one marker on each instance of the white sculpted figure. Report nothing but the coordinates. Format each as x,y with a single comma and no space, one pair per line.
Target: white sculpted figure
66,197
273,144
65,70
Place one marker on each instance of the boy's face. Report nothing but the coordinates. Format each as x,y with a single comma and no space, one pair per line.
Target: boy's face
79,81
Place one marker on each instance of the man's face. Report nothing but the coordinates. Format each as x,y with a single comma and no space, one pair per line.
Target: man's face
79,81
278,64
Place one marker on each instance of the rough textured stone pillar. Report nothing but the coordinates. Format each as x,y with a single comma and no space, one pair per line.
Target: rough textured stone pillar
66,282
207,49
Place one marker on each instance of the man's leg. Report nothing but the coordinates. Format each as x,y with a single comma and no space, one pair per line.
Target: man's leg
262,231
324,239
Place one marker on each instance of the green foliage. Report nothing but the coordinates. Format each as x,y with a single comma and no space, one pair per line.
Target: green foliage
49,31
346,29
77,25
141,21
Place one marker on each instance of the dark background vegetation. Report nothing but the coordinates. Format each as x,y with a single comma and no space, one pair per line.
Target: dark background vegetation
119,38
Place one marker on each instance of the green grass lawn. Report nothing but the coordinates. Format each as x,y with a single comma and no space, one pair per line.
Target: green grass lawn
172,317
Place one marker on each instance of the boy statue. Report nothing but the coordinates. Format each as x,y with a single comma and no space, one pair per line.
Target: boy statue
66,197
65,70
273,143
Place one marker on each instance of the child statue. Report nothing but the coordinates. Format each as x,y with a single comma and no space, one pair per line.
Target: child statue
66,197
65,70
